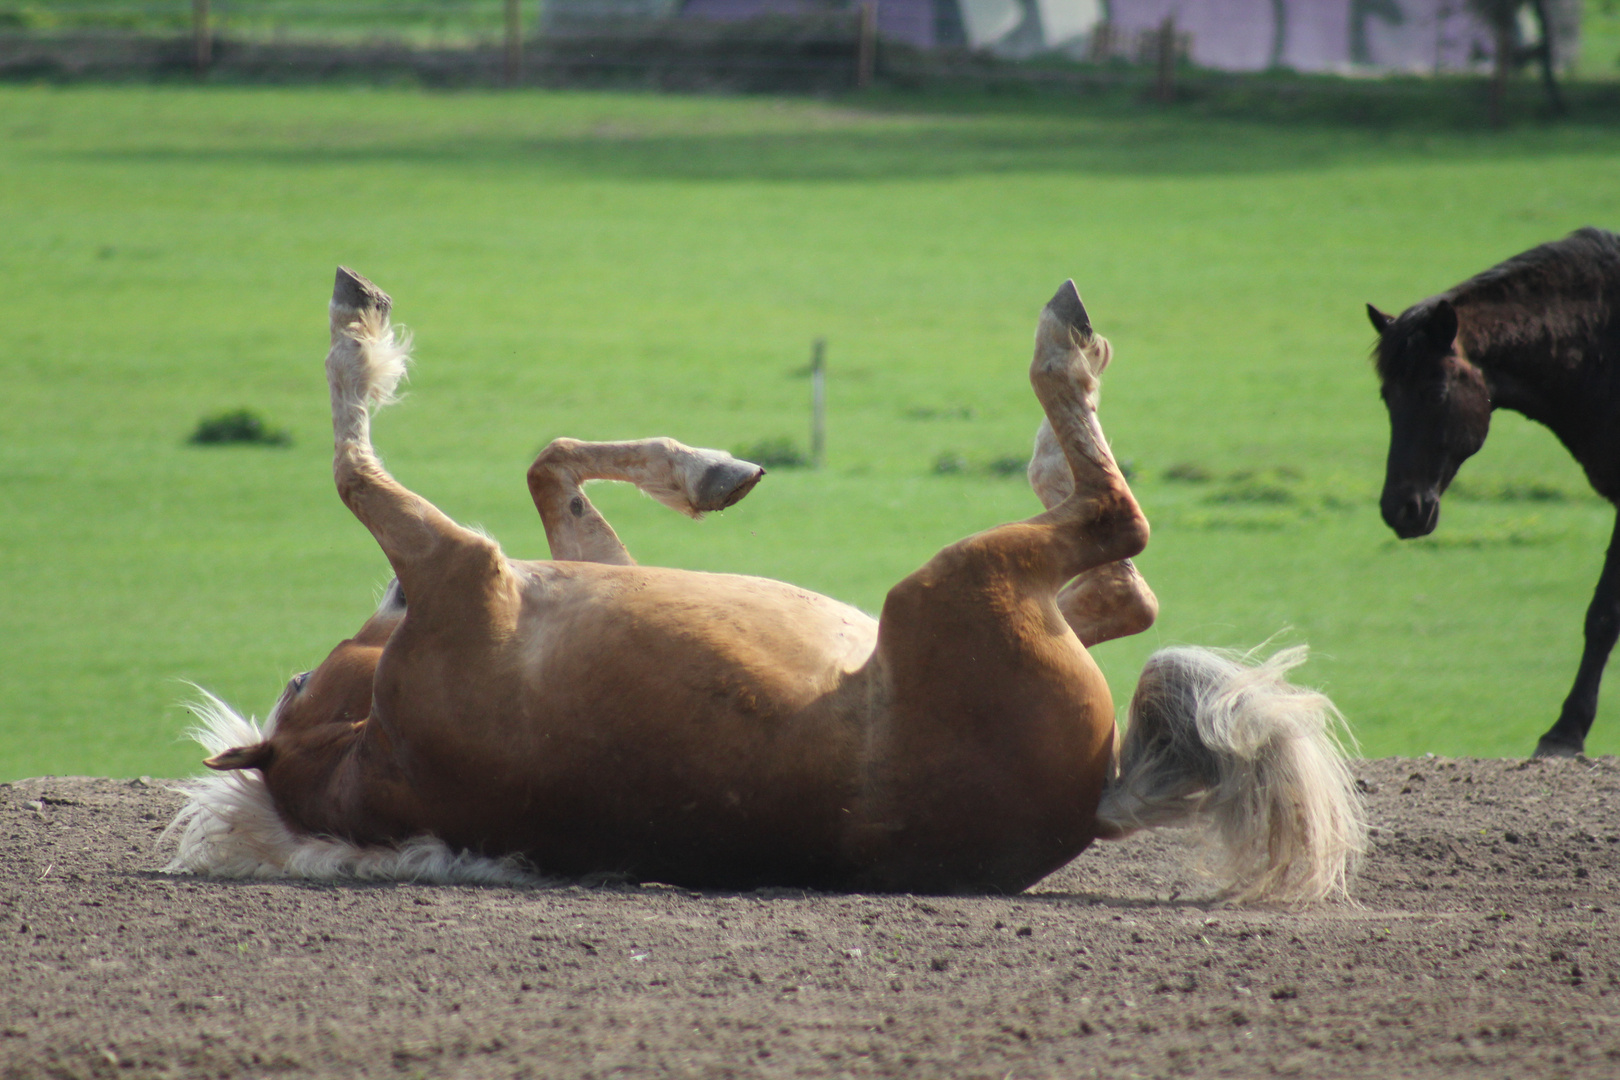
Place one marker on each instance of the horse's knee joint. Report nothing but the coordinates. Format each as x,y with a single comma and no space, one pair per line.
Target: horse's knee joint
558,454
556,451
352,473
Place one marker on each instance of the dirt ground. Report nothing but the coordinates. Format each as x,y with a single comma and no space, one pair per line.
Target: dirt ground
1484,944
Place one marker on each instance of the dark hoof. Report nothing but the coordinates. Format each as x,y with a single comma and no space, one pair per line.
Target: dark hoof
1550,747
1066,306
353,291
724,484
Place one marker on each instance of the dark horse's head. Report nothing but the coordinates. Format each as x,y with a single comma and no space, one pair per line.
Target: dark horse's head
1439,411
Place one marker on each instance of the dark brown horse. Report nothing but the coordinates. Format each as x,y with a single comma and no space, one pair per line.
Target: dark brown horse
1539,334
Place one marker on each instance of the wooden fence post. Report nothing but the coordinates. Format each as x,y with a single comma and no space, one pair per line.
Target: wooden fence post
1164,87
202,36
1506,46
513,65
818,404
1546,56
866,46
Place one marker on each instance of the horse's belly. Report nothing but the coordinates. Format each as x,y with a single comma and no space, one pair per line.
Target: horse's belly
677,725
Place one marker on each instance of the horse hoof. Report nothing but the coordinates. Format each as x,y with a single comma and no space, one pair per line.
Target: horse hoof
353,291
1549,747
725,483
1067,307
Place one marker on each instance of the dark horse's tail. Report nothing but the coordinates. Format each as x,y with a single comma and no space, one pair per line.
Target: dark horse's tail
1223,743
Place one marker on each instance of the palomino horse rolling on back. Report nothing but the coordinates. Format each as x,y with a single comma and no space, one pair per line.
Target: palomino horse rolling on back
588,715
1538,334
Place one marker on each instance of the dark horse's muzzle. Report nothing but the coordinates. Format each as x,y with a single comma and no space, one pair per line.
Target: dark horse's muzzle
1410,511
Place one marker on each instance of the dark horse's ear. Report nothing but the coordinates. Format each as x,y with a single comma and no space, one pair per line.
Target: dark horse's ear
256,756
1379,320
1441,326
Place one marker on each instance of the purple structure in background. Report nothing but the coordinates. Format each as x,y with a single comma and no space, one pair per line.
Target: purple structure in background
910,21
1230,35
1318,35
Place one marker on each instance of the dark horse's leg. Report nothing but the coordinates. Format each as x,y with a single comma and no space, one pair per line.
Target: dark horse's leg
1567,737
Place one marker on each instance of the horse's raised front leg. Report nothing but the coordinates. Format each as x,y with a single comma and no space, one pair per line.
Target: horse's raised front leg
1111,601
681,477
1567,737
345,737
446,570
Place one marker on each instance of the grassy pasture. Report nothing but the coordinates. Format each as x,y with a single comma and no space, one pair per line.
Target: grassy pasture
611,266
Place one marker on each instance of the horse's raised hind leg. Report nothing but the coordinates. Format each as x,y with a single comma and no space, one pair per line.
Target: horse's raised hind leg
438,563
984,682
681,477
1094,521
1097,520
1110,601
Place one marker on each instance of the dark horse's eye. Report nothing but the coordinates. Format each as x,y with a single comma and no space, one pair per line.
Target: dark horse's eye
298,681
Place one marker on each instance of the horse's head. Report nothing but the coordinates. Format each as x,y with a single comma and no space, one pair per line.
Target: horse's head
1439,411
323,708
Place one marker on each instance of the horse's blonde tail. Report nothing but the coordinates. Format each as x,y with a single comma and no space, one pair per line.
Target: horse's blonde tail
1218,741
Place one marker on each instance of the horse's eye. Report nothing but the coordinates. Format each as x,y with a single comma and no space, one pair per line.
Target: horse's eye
298,681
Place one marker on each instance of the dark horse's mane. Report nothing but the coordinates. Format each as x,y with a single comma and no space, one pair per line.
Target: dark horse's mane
1564,290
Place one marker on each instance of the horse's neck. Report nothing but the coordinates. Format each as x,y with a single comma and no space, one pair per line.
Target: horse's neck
1536,361
1551,368
1535,390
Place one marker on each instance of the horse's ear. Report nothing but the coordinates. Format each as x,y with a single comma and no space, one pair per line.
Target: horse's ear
1379,320
1441,326
256,756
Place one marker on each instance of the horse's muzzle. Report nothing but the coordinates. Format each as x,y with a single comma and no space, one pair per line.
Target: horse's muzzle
1410,513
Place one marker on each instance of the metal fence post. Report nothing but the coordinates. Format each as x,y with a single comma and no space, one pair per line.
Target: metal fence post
818,404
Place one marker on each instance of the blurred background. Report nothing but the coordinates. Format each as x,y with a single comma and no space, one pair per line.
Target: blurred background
630,218
799,44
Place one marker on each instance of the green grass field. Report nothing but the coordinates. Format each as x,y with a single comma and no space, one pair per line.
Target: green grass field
420,22
611,266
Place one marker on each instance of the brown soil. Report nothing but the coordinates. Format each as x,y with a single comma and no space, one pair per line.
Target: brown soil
1484,944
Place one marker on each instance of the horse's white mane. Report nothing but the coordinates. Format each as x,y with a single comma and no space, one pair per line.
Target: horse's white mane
229,827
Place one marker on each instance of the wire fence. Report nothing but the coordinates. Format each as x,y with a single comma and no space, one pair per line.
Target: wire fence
437,42
832,46
427,23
